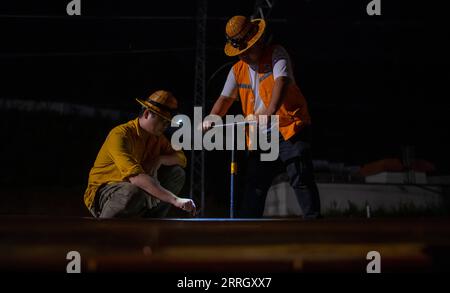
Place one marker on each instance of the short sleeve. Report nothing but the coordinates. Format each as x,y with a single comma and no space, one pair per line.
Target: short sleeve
281,63
230,85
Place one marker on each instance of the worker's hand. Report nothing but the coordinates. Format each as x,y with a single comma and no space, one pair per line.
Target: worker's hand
186,204
262,117
207,125
250,118
257,119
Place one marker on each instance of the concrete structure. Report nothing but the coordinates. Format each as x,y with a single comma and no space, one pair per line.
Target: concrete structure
339,197
397,177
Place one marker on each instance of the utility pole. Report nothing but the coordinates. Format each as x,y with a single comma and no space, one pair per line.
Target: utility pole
198,157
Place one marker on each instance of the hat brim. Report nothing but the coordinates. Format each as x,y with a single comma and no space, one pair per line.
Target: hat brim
232,51
156,110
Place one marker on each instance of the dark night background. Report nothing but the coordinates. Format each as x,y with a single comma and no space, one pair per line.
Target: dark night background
374,84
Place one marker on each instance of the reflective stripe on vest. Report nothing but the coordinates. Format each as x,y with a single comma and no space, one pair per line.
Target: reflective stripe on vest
244,86
265,76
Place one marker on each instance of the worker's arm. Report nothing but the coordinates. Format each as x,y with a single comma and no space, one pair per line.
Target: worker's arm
278,94
170,160
176,158
221,107
282,74
225,100
152,186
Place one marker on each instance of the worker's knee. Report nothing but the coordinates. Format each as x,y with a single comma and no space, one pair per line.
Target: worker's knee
129,191
177,173
172,178
123,200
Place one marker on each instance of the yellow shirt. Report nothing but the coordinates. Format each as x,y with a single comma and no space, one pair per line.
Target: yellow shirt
127,151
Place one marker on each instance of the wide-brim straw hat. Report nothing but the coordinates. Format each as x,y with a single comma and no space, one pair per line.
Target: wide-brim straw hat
162,103
242,33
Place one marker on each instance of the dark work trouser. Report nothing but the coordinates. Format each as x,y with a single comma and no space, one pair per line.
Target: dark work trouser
125,200
296,159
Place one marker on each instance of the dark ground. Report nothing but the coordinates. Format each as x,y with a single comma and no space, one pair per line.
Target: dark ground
215,245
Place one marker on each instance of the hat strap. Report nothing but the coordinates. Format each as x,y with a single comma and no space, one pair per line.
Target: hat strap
161,106
241,42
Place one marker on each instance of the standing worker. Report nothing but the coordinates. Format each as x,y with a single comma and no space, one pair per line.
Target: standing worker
264,81
137,173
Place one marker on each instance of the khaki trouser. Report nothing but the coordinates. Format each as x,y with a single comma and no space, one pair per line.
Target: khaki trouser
125,200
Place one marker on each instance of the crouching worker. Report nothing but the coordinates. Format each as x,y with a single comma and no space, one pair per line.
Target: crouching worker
137,173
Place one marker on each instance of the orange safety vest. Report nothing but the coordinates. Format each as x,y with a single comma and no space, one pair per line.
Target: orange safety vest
293,113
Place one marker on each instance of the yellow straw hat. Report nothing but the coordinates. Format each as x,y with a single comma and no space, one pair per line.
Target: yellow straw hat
162,103
242,33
